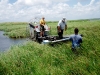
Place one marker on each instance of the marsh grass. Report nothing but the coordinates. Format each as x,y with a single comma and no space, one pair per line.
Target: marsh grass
38,59
14,29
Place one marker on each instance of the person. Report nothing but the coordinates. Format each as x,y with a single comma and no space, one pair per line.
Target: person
76,39
61,26
42,29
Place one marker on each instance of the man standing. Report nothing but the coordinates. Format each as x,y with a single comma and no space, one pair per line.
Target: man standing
76,39
61,26
42,29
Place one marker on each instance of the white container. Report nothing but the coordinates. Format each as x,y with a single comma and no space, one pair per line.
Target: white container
45,41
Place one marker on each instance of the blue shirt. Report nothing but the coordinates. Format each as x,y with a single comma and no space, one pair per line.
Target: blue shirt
76,40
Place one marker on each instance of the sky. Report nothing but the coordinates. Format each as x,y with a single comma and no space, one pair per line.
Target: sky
52,10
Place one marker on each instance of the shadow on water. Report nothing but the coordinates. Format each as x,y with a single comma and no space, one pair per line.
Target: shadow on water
6,42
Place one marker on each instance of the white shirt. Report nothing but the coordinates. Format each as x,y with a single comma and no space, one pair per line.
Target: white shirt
62,24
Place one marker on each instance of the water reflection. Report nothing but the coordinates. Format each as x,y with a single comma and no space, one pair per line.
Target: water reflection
6,42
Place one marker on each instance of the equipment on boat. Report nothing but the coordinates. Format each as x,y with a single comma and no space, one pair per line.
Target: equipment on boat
34,28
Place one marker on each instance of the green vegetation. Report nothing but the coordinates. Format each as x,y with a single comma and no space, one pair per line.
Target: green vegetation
38,59
14,29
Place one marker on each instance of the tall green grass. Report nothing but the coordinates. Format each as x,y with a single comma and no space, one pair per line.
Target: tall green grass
14,29
38,59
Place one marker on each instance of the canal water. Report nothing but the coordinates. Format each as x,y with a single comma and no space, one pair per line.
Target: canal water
6,42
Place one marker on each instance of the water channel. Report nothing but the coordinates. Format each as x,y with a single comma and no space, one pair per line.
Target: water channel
6,42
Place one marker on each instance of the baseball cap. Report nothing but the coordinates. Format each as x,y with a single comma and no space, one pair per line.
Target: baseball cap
64,18
43,17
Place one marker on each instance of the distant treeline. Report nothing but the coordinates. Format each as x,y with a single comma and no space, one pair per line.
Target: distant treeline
80,20
69,21
83,20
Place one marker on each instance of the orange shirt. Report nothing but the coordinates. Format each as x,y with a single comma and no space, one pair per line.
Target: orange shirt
42,22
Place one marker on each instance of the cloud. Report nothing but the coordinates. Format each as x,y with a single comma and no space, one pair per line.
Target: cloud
24,10
33,2
92,2
86,11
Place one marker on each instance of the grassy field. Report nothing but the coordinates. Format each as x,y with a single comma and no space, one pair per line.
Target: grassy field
38,59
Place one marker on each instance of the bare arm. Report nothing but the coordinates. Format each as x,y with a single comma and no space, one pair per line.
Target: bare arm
58,26
65,27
